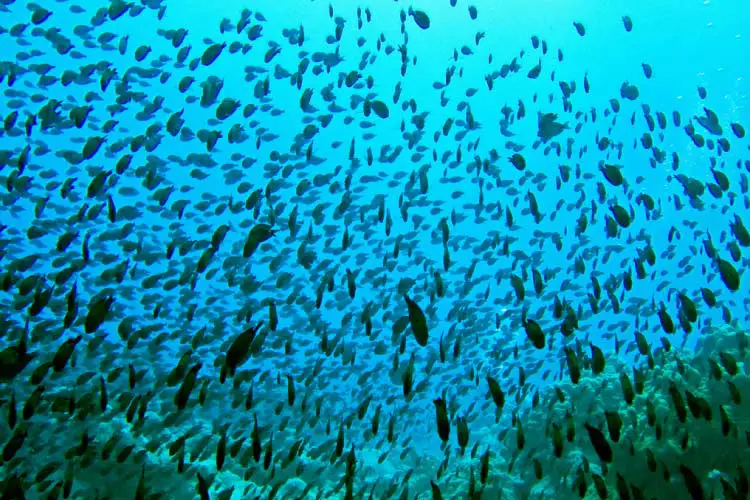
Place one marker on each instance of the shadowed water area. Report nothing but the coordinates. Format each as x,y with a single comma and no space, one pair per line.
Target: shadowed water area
410,250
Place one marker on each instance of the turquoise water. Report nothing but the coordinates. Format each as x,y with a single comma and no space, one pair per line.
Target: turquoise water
361,196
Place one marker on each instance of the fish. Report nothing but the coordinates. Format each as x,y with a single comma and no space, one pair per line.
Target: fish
420,18
441,415
418,321
600,444
230,226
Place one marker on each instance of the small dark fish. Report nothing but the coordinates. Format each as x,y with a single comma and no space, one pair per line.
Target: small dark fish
418,321
692,483
258,234
441,415
188,383
628,23
98,313
533,331
518,161
436,495
600,444
420,17
202,487
729,274
496,392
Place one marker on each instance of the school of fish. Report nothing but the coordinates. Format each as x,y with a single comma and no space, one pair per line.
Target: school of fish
305,279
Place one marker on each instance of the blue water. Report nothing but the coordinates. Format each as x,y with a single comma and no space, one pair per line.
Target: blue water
687,44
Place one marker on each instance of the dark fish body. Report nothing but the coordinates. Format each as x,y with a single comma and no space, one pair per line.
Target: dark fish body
417,321
441,415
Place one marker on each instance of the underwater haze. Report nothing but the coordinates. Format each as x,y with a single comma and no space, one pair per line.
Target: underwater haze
435,249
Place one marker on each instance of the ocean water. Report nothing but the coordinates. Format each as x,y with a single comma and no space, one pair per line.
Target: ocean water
350,253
